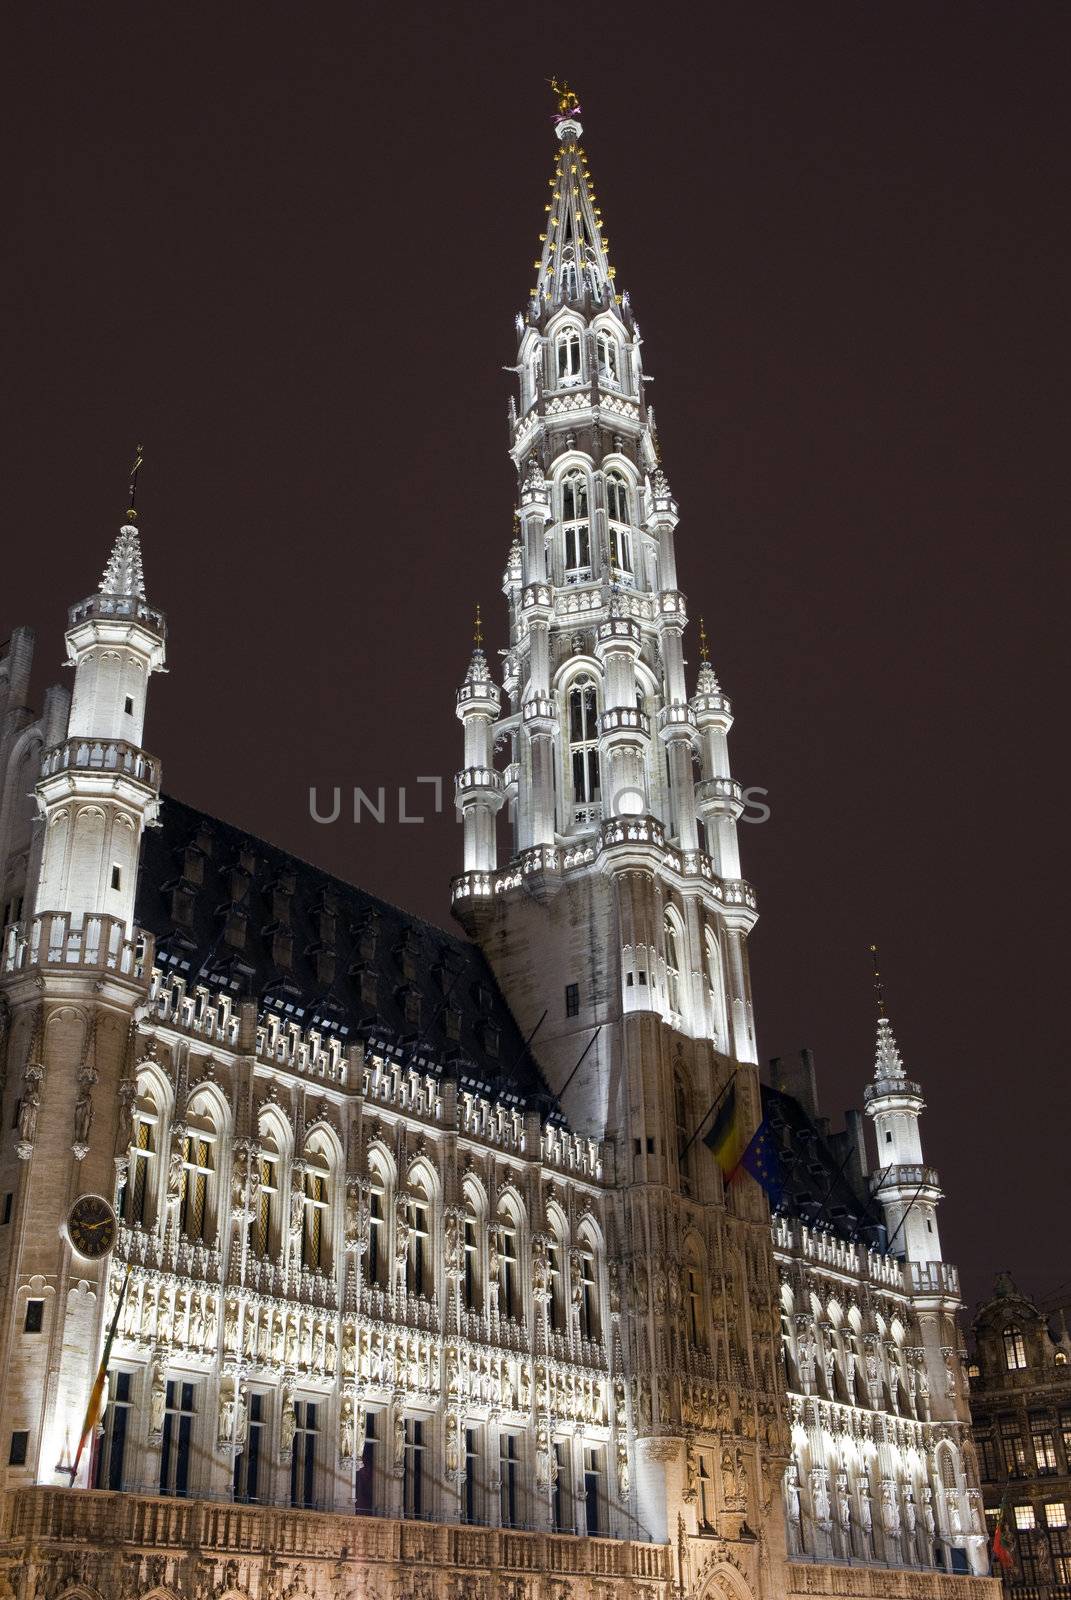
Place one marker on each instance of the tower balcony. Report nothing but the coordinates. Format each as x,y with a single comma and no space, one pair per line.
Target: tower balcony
537,601
909,1176
117,608
60,941
540,714
901,1093
627,719
480,696
676,722
719,797
475,784
617,633
712,711
113,756
934,1277
673,607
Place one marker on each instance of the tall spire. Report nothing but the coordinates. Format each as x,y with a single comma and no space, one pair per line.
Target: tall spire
887,1061
574,253
124,574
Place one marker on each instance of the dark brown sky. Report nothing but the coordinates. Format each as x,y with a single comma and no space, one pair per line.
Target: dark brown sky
284,246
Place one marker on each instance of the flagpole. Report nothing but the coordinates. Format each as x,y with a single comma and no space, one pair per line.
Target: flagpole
97,1391
706,1114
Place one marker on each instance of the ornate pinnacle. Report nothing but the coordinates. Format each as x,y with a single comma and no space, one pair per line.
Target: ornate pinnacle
704,647
477,629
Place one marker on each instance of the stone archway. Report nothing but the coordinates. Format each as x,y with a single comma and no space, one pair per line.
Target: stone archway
721,1579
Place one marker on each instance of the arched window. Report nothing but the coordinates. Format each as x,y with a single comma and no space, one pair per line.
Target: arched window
568,280
715,987
584,750
266,1223
609,359
555,1257
471,1281
590,1318
200,1149
138,1195
509,1280
672,946
617,510
567,353
316,1228
576,528
1014,1349
418,1275
378,1265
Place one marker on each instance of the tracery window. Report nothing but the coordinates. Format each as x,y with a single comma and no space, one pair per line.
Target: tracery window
684,1137
198,1172
671,942
590,1321
417,1265
576,528
584,750
315,1235
471,1264
508,1280
567,352
609,358
617,510
266,1221
556,1308
137,1196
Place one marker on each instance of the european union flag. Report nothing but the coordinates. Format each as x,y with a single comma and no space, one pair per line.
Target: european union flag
763,1160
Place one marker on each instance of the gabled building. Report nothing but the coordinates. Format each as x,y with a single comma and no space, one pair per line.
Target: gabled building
409,1266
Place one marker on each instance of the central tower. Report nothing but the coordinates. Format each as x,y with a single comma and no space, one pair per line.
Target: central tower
616,919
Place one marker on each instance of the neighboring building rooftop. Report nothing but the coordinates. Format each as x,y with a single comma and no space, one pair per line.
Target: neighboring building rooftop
232,912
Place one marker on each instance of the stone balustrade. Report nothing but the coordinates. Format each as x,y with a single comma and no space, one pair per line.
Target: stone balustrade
620,718
934,1277
102,755
108,607
61,941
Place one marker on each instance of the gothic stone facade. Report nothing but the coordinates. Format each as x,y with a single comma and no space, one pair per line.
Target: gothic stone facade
409,1310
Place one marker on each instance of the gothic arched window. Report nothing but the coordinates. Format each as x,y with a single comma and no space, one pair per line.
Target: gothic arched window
266,1221
590,1310
137,1200
316,1227
715,987
672,946
576,529
617,510
569,280
608,356
567,354
584,749
199,1166
379,1209
418,1274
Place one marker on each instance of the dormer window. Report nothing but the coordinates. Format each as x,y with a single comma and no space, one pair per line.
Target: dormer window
567,352
1014,1349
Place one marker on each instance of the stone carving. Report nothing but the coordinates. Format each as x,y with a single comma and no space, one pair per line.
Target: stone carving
346,1430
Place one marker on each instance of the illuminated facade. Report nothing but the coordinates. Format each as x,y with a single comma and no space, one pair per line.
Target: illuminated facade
410,1308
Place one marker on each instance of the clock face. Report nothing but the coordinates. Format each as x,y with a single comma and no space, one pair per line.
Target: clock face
91,1226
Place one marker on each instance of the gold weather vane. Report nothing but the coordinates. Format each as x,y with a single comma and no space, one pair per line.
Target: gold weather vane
477,630
139,457
704,648
568,104
879,987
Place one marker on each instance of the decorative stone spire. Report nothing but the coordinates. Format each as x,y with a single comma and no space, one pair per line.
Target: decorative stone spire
574,254
706,679
124,574
887,1061
478,671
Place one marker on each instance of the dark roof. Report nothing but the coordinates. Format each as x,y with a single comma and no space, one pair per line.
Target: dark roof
233,912
819,1185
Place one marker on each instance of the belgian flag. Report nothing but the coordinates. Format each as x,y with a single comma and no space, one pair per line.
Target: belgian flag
725,1137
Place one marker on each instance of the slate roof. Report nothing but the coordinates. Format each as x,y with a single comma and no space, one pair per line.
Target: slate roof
230,911
818,1188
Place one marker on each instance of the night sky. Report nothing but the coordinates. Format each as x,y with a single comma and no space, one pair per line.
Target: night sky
283,247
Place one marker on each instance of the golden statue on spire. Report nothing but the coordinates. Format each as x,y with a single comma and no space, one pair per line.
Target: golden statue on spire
568,104
139,457
879,987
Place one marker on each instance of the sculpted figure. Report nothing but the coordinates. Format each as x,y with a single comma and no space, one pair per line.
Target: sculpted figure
345,1430
287,1423
157,1399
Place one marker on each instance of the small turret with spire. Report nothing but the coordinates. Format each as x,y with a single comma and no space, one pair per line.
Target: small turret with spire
478,786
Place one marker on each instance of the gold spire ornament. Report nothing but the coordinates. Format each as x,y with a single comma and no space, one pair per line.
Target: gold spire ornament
879,987
477,630
139,457
568,104
704,647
